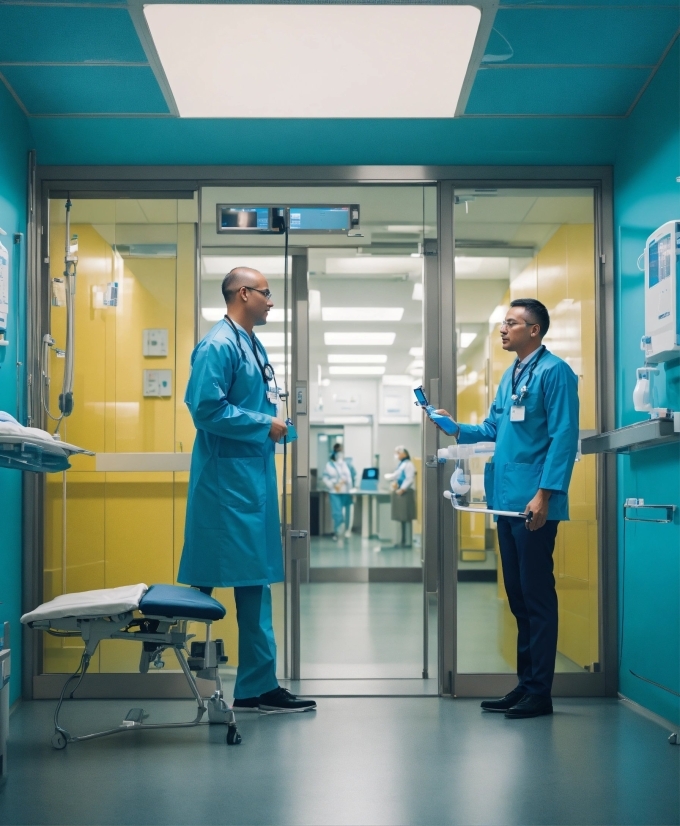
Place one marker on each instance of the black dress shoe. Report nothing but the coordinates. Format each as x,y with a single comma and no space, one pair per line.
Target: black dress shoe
504,703
533,705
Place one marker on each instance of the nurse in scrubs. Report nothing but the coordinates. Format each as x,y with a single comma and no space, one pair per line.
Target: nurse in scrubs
534,422
233,535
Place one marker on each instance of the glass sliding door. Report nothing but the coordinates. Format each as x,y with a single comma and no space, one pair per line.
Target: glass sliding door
525,243
353,603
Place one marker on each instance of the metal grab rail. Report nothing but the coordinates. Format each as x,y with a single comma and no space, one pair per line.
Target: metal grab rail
639,504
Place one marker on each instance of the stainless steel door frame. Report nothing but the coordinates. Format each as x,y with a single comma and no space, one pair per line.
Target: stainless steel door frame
594,684
297,534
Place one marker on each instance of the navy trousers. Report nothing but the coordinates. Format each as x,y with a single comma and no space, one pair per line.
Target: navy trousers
527,558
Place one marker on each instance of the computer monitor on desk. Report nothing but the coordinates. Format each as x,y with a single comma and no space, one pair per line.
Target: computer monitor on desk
369,479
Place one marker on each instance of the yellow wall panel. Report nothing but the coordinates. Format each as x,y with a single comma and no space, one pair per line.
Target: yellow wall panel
121,527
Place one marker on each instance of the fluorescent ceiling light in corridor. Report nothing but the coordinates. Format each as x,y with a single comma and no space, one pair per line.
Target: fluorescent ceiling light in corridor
358,339
362,313
359,370
314,61
359,358
272,339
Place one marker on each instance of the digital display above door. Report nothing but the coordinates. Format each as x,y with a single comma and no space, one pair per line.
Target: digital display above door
323,218
307,218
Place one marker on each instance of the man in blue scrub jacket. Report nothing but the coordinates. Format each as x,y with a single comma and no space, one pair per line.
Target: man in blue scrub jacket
232,537
534,421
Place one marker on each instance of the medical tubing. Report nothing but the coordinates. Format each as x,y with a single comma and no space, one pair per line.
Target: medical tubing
48,341
83,664
69,277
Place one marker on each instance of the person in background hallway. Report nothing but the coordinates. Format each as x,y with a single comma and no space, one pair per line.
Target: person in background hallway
403,498
233,534
534,421
339,480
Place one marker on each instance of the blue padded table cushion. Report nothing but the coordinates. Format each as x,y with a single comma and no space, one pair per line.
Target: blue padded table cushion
175,601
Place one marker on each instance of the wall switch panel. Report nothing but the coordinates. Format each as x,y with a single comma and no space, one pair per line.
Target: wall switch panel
158,384
155,343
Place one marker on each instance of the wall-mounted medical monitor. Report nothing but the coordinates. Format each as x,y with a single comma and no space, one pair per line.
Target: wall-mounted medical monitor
317,218
244,218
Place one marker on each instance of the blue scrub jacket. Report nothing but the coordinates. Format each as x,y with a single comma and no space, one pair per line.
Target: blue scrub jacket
233,534
538,452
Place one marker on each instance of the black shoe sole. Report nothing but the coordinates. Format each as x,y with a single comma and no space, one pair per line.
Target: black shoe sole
273,710
526,715
496,710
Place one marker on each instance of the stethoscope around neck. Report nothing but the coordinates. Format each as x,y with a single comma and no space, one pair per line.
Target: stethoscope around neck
266,369
516,397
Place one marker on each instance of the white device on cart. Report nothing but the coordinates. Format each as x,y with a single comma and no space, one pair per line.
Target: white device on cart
661,341
466,485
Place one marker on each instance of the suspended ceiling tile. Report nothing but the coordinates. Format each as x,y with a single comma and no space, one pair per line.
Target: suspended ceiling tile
616,36
86,90
68,35
558,209
563,91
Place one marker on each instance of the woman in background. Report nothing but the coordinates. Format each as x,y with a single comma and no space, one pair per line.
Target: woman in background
403,495
338,479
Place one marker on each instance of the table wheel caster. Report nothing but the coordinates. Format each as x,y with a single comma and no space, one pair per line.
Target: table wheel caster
58,741
233,737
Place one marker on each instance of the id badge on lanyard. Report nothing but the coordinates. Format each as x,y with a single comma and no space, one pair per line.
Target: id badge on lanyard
273,395
517,413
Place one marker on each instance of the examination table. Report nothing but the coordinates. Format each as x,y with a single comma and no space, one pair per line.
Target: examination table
157,617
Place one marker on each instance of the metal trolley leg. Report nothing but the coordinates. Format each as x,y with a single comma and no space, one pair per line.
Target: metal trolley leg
218,711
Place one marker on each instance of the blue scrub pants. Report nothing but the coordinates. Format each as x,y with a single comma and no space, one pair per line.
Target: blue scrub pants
341,504
256,673
527,558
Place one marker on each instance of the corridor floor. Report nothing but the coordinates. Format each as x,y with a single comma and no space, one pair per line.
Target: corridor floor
366,761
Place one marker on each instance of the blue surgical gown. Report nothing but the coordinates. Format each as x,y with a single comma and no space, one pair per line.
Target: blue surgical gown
232,535
538,452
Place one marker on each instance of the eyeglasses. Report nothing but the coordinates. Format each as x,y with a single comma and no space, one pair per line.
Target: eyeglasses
512,323
266,293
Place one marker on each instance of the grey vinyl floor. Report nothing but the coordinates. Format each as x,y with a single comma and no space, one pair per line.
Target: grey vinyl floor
355,552
365,761
357,630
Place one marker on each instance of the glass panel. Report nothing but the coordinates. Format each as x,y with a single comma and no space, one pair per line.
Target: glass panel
134,332
354,622
510,244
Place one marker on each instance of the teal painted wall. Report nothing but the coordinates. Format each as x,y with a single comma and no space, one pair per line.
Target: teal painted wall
14,141
315,142
646,196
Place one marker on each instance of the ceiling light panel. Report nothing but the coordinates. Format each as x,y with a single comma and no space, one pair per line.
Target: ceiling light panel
375,264
416,352
213,313
276,315
217,266
272,339
466,339
359,339
359,358
362,313
359,61
357,370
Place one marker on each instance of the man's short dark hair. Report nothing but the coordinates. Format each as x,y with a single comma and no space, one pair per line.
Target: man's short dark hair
537,313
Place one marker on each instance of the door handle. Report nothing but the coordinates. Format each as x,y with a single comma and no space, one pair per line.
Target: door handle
297,549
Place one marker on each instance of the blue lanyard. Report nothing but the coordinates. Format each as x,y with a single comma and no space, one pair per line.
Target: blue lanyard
532,366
